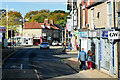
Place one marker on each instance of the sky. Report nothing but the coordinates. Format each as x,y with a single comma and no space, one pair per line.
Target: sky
25,7
33,0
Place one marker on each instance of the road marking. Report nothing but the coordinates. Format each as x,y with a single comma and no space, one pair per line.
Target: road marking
38,77
21,66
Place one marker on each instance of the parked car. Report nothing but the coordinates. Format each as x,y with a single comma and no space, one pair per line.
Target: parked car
59,43
54,43
44,45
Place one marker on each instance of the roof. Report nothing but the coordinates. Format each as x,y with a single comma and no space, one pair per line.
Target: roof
59,26
96,2
36,25
32,25
46,25
53,27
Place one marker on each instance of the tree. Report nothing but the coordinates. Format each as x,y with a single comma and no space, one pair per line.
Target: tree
61,22
59,16
13,21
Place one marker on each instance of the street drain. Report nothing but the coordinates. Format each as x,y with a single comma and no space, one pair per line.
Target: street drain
20,66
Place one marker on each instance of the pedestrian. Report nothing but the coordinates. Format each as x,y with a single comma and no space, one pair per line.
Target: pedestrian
14,43
82,58
77,46
63,47
89,59
69,46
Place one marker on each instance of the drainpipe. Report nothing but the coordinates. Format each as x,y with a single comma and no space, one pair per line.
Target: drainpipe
114,13
118,41
118,57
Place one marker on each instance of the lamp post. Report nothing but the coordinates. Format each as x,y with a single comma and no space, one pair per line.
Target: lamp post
72,18
7,18
7,22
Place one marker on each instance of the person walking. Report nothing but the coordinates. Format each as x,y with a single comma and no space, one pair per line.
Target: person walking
63,47
69,46
82,58
89,59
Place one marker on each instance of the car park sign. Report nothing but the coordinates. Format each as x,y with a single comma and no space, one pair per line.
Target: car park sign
113,34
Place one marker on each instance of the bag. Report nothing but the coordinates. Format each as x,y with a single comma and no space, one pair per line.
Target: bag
79,62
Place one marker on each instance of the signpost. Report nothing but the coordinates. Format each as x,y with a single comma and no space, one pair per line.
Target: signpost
113,35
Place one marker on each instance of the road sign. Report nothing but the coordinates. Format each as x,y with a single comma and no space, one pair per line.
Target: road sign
113,35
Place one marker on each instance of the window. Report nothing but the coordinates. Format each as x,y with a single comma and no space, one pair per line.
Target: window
83,18
92,18
119,14
119,20
98,15
109,14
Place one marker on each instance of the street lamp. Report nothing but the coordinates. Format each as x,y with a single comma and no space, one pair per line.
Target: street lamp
7,18
71,13
72,17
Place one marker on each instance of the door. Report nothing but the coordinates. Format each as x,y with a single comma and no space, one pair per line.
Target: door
105,55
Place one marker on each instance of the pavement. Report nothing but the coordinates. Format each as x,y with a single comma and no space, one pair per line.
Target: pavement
7,52
73,63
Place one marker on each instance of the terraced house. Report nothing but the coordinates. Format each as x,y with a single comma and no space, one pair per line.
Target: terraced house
102,19
97,21
34,33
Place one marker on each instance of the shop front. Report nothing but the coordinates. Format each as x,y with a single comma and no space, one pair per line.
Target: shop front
2,36
92,40
114,36
107,53
36,40
84,40
26,40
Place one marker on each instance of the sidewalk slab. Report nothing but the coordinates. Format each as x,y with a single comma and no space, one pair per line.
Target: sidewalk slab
93,74
7,52
73,62
72,52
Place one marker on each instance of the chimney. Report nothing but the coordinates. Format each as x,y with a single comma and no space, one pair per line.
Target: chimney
46,21
51,22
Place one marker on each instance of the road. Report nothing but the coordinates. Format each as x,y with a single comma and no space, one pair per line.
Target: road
32,63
